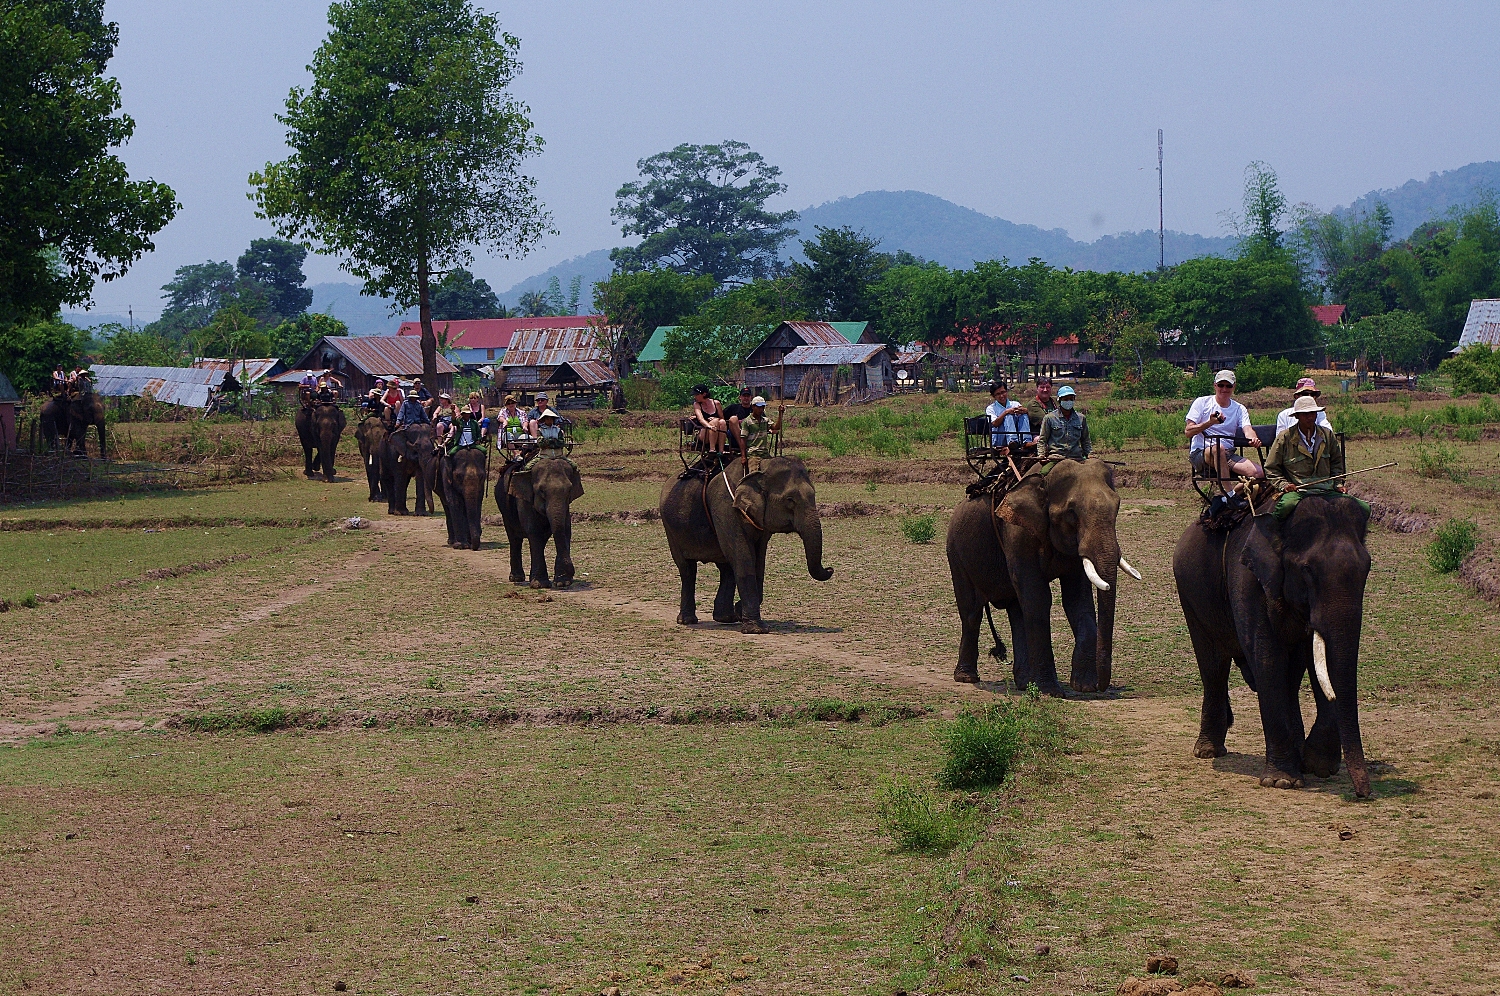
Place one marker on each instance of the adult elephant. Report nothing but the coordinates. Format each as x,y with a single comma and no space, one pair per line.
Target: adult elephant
465,473
84,411
1280,599
53,419
407,455
370,434
534,503
704,526
1058,525
319,427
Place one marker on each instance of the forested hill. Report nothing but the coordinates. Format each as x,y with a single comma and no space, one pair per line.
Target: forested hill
1416,201
956,236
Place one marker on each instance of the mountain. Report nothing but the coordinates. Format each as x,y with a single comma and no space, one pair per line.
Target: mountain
958,237
1416,201
594,266
363,315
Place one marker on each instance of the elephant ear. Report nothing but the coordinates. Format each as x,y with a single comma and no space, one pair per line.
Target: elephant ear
1262,554
575,491
1025,507
519,486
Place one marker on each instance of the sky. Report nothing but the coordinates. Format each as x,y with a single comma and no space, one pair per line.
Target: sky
1040,113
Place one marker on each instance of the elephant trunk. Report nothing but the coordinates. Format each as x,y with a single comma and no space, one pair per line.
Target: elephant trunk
810,527
1336,631
1101,562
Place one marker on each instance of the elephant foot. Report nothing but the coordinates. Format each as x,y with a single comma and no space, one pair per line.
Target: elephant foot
563,583
686,620
1207,748
753,626
1052,690
727,620
966,675
1083,685
1320,753
539,583
518,579
1274,778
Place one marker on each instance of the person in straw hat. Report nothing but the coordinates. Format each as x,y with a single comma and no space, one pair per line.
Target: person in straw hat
1303,458
1306,386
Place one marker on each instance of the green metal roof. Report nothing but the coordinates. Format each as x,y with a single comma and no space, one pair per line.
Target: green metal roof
651,352
7,389
850,330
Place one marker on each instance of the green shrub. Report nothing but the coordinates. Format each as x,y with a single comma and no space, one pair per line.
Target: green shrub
1254,373
983,746
916,820
1440,461
28,600
640,392
1451,545
919,528
1474,371
1113,429
1201,382
1157,379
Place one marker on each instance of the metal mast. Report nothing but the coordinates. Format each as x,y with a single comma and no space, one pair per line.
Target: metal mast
1161,209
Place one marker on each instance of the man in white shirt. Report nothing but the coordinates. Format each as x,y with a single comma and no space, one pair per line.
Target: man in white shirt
1219,420
1306,388
1010,427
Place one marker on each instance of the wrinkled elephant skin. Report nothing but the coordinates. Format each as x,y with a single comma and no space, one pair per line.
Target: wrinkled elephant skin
464,473
407,455
703,526
536,506
371,435
1282,600
1008,556
318,429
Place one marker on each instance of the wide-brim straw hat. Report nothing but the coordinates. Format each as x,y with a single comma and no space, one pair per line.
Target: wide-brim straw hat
1306,404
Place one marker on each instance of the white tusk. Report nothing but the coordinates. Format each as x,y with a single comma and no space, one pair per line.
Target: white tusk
1320,664
1098,582
370,460
1130,570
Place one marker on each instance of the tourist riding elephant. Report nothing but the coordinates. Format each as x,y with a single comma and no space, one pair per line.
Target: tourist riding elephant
535,506
1061,525
406,454
370,435
1280,599
464,474
704,526
319,428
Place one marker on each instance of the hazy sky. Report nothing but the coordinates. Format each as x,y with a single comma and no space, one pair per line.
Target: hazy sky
1039,113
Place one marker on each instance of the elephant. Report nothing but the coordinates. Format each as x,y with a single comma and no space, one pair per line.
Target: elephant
534,502
704,525
464,475
319,428
371,435
53,419
85,410
404,455
1058,524
1280,599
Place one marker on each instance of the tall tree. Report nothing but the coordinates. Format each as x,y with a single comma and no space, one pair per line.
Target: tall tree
637,304
840,273
701,209
193,296
138,347
1265,205
30,351
460,295
534,304
69,212
276,266
293,338
407,149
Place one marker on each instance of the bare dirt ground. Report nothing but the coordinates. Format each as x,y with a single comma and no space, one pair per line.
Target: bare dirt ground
567,792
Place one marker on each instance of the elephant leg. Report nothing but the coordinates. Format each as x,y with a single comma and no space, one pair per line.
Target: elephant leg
751,586
514,538
538,543
970,616
103,455
1320,752
472,510
562,573
1078,605
1283,736
1213,667
1036,610
328,463
687,611
307,461
1019,647
725,610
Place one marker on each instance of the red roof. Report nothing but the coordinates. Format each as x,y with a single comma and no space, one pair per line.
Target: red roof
1328,314
494,333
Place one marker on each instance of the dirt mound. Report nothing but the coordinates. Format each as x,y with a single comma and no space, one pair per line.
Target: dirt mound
1481,571
1162,987
1392,515
1388,395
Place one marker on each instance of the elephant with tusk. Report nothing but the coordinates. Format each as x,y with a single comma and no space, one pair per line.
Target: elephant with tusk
1281,599
1058,525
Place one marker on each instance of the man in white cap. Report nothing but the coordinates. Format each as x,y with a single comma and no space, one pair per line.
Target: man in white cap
534,417
1219,420
755,432
1304,457
1306,387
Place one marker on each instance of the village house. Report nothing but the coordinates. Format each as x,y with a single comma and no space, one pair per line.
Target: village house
913,362
477,342
783,339
1482,327
10,403
814,373
355,361
568,363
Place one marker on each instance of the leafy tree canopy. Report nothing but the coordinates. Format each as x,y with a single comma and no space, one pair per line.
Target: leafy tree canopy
840,274
640,303
29,352
1476,370
1397,337
138,347
275,265
711,346
231,335
293,338
407,149
460,296
701,209
1248,305
71,213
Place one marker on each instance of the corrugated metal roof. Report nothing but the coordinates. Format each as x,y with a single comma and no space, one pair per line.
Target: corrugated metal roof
1482,326
852,331
494,333
186,386
550,347
822,356
817,333
377,355
245,371
1328,314
905,356
7,389
590,372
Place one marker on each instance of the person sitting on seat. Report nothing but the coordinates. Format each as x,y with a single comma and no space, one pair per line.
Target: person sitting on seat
371,404
411,413
443,416
1306,387
756,434
1042,404
534,416
1010,426
1222,420
467,430
324,395
512,426
59,380
421,394
736,413
1303,458
713,428
1065,431
393,396
549,434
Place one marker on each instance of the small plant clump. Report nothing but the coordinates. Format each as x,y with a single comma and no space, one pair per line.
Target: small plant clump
983,746
917,821
1440,461
1452,544
919,528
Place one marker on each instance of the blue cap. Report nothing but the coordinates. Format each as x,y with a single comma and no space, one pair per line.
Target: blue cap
1067,392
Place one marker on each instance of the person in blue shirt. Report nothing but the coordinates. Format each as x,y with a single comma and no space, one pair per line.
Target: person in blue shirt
1010,426
411,413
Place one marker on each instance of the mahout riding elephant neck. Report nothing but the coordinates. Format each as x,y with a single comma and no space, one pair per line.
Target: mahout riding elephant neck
1280,600
1057,525
535,504
703,525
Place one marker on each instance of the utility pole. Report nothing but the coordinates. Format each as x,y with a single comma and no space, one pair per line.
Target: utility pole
1161,209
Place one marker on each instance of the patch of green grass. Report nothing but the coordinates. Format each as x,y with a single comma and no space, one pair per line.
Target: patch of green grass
982,746
251,720
919,822
1441,461
1452,542
919,528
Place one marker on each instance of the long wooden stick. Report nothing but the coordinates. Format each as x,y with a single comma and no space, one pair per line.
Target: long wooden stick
1338,477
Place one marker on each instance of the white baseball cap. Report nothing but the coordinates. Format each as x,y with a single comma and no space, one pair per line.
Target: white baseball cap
1224,376
757,402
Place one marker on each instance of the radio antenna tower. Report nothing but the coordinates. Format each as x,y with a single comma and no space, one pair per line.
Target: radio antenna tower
1161,209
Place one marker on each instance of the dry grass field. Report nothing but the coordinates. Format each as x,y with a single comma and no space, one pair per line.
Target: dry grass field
318,757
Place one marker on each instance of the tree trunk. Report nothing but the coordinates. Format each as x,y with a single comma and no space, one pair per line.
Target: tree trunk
424,315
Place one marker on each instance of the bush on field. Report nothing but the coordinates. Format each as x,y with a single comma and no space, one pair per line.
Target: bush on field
919,528
640,392
1359,420
888,432
983,746
1254,373
1440,461
1200,384
917,821
1474,371
1156,379
1451,545
1114,429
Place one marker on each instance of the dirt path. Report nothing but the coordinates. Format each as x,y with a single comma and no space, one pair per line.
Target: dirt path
90,699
